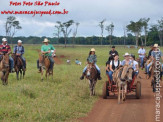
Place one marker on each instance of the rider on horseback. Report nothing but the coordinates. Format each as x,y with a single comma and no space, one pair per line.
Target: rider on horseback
19,51
5,48
48,50
92,58
112,53
155,52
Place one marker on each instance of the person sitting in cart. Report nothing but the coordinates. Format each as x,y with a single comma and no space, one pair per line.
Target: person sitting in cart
127,60
134,65
92,58
112,66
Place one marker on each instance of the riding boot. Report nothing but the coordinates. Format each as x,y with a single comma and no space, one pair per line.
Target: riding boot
99,76
82,77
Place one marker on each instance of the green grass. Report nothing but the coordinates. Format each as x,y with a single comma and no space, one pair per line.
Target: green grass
65,98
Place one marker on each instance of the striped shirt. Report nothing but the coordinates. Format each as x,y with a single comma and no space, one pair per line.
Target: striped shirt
5,48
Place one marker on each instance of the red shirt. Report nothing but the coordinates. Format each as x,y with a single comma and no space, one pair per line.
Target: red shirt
5,48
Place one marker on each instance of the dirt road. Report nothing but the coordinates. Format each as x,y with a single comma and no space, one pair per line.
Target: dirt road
132,110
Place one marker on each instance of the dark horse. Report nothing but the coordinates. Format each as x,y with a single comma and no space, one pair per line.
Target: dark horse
91,75
4,68
44,63
18,66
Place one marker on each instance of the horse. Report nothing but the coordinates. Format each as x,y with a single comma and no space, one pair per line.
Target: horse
44,63
121,76
18,66
91,75
4,68
152,74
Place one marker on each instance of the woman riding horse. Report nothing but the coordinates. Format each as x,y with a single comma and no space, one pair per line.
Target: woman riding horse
92,58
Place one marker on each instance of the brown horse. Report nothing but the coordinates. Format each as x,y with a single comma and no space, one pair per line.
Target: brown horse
121,76
18,66
44,63
4,68
91,75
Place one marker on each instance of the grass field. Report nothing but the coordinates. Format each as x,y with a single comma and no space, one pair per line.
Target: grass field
65,98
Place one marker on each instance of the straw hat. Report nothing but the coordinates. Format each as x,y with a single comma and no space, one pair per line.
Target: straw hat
19,41
93,50
156,45
126,54
4,40
45,40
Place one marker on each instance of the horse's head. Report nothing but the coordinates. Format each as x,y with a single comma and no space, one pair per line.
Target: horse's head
41,59
5,60
91,70
127,72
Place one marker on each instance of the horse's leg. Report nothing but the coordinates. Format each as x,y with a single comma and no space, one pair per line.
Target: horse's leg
94,84
90,87
20,74
42,73
17,74
122,93
23,74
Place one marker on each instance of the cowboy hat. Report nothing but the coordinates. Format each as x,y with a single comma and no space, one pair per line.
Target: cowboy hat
4,40
19,41
156,45
93,49
45,40
126,54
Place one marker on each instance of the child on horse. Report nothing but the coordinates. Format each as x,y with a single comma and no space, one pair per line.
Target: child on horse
110,68
19,51
92,58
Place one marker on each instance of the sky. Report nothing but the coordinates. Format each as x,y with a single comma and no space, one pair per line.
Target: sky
87,12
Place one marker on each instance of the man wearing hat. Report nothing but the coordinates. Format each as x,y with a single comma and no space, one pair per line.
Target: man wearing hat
5,48
126,60
154,53
141,53
48,50
112,53
19,51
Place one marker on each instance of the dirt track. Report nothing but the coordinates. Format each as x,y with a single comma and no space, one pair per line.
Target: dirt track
132,110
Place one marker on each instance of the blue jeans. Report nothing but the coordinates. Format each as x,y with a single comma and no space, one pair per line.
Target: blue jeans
98,69
24,61
11,62
51,62
110,73
147,67
141,61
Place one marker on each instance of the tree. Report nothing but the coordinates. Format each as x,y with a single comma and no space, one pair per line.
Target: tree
58,30
75,31
145,27
160,30
101,25
11,27
136,28
65,29
110,29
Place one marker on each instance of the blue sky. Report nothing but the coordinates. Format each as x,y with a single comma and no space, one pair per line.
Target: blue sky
87,12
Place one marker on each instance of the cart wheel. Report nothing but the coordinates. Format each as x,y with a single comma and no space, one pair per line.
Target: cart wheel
138,90
105,90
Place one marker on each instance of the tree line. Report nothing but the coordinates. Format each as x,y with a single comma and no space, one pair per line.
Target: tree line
135,33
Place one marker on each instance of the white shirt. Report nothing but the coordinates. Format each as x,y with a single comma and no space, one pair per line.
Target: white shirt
134,63
115,63
141,51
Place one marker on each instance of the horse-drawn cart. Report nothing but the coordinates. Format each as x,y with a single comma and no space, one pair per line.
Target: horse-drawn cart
111,88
